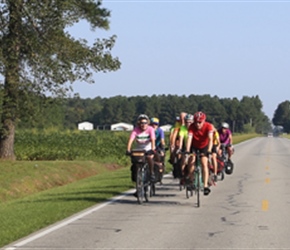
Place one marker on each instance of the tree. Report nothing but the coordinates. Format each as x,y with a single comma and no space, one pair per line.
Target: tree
38,54
282,116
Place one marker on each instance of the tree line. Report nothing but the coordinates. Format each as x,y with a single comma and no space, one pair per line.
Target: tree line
243,115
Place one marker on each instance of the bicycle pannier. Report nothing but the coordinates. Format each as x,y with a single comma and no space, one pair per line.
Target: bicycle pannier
229,167
138,157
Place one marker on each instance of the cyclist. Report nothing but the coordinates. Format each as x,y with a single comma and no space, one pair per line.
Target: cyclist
173,138
183,135
226,139
200,137
159,139
215,150
144,135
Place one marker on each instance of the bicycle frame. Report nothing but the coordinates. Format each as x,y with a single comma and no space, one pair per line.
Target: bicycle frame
138,158
198,181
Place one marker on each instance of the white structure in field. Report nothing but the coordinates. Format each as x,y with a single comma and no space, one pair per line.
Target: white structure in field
166,128
121,126
85,126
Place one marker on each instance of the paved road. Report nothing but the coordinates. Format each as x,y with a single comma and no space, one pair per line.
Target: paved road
248,210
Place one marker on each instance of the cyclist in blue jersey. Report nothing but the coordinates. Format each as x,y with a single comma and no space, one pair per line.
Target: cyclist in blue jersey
159,139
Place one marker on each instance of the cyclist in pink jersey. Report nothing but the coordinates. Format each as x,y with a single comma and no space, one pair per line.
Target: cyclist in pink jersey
144,135
226,139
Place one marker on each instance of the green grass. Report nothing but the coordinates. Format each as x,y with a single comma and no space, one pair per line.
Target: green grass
44,208
35,194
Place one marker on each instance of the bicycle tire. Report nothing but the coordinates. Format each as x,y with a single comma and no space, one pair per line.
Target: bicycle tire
140,185
198,188
152,189
221,175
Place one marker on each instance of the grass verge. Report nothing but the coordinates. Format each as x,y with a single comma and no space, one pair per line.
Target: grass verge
24,216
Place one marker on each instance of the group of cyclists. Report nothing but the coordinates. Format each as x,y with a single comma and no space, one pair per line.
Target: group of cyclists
189,134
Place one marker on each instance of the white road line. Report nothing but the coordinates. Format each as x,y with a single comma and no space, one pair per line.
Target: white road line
66,222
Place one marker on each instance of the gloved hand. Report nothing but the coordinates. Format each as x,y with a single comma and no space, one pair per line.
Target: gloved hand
128,152
209,153
150,152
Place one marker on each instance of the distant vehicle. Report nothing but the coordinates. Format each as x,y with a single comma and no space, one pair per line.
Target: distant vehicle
270,134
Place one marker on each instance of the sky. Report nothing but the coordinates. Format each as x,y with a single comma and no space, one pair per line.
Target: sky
221,48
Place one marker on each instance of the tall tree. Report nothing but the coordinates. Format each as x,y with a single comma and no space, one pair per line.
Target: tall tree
38,53
282,116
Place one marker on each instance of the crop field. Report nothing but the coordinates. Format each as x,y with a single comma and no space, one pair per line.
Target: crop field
70,145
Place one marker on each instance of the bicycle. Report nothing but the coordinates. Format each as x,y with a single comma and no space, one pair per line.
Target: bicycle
196,184
228,165
138,159
159,169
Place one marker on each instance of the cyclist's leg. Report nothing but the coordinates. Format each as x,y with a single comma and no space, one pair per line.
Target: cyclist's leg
230,152
204,164
214,159
191,162
182,164
205,172
151,165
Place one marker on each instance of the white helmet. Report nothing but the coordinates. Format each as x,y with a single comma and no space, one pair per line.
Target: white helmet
142,116
225,125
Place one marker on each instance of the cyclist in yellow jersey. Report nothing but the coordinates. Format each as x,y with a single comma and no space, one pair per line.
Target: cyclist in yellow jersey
183,135
173,138
215,150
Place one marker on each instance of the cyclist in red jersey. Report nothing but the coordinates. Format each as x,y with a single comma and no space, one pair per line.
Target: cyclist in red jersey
200,137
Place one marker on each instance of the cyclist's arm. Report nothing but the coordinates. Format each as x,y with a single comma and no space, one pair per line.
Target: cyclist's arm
188,143
152,139
181,137
162,140
130,142
210,143
231,139
218,141
182,116
153,143
173,138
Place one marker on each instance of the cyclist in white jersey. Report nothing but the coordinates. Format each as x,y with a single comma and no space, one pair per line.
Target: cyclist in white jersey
144,135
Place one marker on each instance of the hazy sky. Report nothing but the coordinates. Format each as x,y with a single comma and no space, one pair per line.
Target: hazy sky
223,48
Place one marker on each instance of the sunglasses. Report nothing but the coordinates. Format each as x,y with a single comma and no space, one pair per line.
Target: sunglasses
143,123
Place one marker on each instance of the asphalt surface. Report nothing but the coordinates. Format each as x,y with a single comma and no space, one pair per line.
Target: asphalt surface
247,210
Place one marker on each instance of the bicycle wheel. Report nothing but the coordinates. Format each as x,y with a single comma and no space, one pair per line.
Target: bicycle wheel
197,186
140,185
221,175
152,189
146,181
211,181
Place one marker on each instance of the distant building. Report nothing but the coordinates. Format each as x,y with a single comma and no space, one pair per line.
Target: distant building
121,126
85,126
166,128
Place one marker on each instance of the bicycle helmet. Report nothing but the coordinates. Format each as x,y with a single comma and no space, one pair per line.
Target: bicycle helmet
142,117
154,120
225,125
199,117
188,117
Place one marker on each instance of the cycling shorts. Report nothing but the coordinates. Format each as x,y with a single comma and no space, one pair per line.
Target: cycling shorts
203,151
214,149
